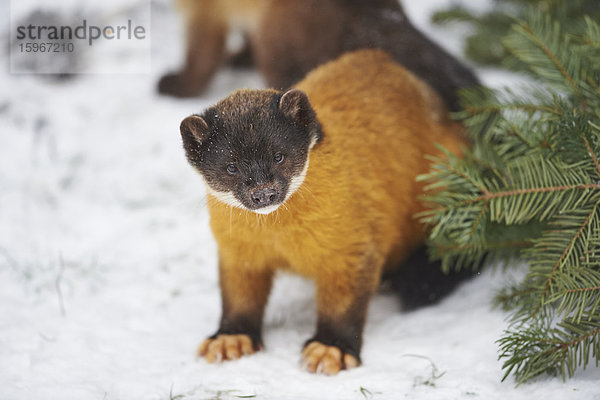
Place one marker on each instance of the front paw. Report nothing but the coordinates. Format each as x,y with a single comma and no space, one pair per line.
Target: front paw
226,347
329,360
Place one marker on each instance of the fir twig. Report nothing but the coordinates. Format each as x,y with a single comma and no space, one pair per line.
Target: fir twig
530,187
563,256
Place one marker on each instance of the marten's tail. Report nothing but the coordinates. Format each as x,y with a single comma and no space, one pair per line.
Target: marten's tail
421,282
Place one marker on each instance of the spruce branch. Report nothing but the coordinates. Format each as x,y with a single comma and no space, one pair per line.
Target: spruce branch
541,43
547,247
530,189
483,43
534,350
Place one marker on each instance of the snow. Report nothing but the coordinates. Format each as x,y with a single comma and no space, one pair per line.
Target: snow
108,269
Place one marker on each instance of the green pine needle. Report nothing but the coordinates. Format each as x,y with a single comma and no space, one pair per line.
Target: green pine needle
530,188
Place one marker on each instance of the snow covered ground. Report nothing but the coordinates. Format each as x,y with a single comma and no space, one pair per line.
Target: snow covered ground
108,269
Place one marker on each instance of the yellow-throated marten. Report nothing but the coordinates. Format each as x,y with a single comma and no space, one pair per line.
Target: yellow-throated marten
319,181
288,38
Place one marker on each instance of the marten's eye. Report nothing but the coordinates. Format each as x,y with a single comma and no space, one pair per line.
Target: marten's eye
232,169
279,158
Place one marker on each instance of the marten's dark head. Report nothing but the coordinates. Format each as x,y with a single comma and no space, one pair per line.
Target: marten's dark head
252,147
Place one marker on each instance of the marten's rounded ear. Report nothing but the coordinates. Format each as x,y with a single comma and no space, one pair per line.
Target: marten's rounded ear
194,129
294,105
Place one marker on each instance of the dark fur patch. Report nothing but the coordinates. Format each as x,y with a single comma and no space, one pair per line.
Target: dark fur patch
344,331
421,282
247,130
387,27
250,325
344,335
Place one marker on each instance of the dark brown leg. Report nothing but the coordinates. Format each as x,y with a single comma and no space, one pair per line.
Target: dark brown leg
205,54
342,302
244,294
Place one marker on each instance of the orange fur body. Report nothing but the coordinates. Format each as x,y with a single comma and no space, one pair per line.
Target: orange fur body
353,216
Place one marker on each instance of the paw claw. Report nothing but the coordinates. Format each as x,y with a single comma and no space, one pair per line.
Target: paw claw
225,347
322,359
350,361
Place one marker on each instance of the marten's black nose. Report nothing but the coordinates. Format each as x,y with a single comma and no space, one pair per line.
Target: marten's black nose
264,197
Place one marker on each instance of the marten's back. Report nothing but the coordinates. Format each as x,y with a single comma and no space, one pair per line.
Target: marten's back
379,121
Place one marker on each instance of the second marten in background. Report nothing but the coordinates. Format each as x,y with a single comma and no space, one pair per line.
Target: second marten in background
319,181
288,38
